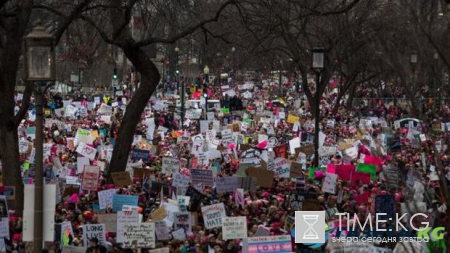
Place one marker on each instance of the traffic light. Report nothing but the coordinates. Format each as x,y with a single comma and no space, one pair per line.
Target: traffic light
115,76
205,93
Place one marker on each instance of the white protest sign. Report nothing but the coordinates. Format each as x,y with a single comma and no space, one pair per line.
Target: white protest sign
161,231
180,180
105,198
139,235
94,231
282,168
183,221
329,184
86,151
234,227
170,165
179,234
125,217
212,215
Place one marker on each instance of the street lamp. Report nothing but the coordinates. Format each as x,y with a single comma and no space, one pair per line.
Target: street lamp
205,89
413,58
40,69
318,64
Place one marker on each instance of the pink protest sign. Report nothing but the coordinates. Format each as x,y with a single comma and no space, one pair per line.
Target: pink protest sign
331,169
362,176
378,161
344,172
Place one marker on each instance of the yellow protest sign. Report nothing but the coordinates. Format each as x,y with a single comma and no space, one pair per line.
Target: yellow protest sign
292,119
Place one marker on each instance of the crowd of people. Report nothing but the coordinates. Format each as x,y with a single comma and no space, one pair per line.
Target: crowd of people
372,148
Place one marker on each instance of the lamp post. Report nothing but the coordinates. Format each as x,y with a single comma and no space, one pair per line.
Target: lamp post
413,59
40,69
318,64
233,52
205,89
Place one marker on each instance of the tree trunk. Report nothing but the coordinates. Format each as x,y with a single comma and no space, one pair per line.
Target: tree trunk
316,109
351,96
10,51
149,81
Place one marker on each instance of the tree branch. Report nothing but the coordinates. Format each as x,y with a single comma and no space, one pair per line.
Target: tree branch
188,30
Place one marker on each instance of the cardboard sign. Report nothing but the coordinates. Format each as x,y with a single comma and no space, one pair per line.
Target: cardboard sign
213,214
159,214
121,179
307,150
110,221
141,172
264,177
234,227
296,170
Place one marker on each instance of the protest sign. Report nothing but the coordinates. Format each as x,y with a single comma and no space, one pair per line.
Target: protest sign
329,184
179,234
368,168
67,234
159,214
86,151
110,221
234,227
139,235
202,177
90,178
182,220
212,215
264,177
362,177
123,218
170,165
344,172
105,198
161,231
94,231
269,244
226,184
296,170
139,154
282,169
119,200
121,179
180,180
196,197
